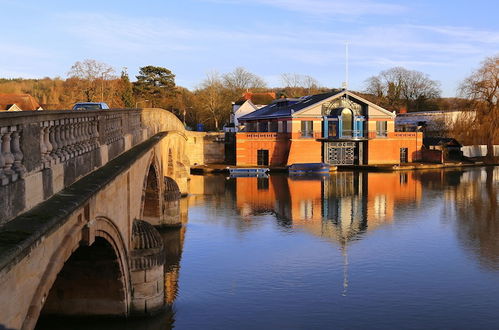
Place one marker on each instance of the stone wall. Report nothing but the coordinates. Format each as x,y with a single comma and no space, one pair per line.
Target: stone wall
206,148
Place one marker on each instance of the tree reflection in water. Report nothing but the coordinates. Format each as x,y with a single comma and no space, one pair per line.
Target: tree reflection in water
475,202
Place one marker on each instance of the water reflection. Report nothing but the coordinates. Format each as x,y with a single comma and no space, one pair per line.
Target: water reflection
343,209
473,196
339,207
346,242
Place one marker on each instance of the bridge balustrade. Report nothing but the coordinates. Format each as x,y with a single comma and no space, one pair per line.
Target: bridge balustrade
32,141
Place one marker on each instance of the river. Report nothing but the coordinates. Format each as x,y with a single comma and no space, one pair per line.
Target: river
352,250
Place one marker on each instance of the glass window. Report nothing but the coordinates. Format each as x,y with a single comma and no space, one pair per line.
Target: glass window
381,128
251,127
331,128
273,126
307,128
347,122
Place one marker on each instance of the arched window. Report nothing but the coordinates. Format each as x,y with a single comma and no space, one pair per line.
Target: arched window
347,122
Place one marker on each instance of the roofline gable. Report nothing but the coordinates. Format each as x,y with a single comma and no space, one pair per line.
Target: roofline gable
345,92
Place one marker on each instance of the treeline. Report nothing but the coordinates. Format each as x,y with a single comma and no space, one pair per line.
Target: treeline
211,102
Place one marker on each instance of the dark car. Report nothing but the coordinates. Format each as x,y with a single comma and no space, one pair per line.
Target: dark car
90,106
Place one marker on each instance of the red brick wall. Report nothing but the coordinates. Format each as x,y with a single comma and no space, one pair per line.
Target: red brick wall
247,145
433,156
387,150
305,151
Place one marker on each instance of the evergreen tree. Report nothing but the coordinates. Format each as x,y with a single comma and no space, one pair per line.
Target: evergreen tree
155,84
126,90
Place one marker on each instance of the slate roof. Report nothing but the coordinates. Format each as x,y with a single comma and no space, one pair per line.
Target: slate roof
285,108
256,98
436,141
23,101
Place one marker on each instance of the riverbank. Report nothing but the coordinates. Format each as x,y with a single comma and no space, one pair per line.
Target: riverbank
224,168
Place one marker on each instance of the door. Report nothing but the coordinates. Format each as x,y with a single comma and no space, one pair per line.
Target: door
339,153
262,156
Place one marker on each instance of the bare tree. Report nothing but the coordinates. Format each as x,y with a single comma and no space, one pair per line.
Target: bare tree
398,87
240,79
482,87
214,99
299,84
92,77
294,80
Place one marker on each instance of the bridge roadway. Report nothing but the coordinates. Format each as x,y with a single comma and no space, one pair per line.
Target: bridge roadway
81,193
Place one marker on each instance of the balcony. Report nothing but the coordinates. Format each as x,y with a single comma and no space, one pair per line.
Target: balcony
309,135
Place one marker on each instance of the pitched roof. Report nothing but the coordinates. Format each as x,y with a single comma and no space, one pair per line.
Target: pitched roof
443,141
286,107
289,107
23,101
256,98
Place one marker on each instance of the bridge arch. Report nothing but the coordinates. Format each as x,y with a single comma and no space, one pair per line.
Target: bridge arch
151,194
88,274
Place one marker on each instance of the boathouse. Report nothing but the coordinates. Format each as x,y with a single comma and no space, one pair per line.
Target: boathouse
338,128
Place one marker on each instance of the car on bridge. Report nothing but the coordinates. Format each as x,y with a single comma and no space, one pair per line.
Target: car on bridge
90,106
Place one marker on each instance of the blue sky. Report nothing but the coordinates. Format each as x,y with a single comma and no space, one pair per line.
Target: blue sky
445,39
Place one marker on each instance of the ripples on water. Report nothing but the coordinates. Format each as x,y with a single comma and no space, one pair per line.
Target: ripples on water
351,250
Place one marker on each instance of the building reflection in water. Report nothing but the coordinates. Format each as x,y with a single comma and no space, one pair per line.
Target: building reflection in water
473,197
339,207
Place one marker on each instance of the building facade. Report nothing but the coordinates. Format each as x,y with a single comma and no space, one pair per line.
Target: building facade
338,128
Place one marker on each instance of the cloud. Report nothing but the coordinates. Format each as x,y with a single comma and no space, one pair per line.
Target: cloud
463,33
327,7
153,34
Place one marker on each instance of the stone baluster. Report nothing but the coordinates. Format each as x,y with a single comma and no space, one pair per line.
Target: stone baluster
15,145
69,137
95,134
48,145
90,132
106,130
3,178
7,154
64,139
74,136
60,138
45,146
77,136
87,133
53,141
82,134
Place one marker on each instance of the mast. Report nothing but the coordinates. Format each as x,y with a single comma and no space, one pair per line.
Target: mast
346,65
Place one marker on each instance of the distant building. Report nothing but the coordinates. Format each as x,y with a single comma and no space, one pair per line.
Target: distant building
18,102
247,104
338,128
432,123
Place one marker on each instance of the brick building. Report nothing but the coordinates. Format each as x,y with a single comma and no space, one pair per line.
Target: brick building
338,128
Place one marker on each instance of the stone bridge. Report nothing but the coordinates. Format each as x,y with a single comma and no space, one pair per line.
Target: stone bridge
81,193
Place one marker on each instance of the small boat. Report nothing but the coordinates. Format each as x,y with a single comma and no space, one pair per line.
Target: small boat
260,172
302,168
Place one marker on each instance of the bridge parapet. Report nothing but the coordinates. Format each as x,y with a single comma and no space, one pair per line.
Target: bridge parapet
41,152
